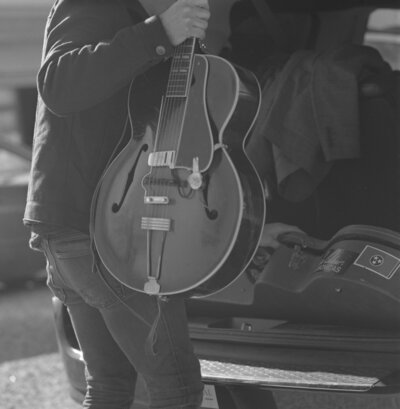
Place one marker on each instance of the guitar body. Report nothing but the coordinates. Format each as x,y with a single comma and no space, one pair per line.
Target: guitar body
181,208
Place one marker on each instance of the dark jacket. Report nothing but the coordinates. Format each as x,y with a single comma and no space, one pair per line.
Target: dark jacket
92,50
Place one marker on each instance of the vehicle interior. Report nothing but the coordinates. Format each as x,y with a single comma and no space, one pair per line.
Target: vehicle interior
316,323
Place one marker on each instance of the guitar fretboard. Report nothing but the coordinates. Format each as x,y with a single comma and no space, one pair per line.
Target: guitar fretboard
181,67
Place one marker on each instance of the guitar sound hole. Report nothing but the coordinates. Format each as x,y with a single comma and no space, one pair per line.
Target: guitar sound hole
212,214
117,206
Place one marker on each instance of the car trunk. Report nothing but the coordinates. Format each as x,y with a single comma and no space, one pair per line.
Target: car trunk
318,320
318,325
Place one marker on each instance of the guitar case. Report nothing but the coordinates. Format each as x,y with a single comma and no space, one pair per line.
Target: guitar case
352,279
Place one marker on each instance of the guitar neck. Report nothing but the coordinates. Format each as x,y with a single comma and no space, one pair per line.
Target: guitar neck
181,69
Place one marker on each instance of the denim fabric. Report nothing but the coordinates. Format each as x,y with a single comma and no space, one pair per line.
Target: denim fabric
114,327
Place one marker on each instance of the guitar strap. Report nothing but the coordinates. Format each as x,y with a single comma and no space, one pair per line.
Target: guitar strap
271,23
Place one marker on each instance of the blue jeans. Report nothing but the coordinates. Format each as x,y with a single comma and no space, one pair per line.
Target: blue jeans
114,326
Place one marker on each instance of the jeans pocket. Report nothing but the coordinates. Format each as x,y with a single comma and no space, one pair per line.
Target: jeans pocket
72,257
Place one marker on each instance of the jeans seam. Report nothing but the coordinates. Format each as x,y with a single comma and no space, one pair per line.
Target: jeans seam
178,367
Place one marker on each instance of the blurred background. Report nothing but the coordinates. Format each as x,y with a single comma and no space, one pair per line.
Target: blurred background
31,371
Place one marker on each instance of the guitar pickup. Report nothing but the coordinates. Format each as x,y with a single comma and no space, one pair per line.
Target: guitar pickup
156,200
162,159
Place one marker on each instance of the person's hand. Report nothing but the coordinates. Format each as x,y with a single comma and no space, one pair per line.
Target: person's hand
272,231
184,19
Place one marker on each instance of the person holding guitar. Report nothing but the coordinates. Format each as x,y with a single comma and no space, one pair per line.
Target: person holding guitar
92,50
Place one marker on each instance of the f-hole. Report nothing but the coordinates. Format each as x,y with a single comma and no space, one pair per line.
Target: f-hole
117,206
212,214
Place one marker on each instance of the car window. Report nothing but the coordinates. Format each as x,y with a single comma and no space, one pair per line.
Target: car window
383,33
13,168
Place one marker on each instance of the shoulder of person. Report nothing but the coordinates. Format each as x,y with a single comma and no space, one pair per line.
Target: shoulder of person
89,7
113,14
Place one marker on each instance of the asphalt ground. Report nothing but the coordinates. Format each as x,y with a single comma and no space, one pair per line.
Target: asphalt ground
31,371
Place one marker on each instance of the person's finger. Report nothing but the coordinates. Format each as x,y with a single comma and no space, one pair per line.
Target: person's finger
201,24
198,33
199,3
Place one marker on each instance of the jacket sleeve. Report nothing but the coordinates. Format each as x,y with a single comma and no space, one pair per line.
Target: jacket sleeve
91,50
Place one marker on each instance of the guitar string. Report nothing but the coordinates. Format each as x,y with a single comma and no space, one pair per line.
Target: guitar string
173,113
154,185
174,104
181,79
177,103
152,211
165,114
171,121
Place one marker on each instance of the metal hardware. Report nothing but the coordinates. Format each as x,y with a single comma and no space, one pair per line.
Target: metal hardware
162,158
156,223
195,179
156,200
311,377
152,287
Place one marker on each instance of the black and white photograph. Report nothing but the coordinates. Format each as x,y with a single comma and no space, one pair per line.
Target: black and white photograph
199,204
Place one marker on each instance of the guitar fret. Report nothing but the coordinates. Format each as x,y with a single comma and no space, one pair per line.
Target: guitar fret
184,65
175,95
178,82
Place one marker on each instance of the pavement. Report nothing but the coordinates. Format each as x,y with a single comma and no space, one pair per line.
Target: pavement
31,371
34,383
